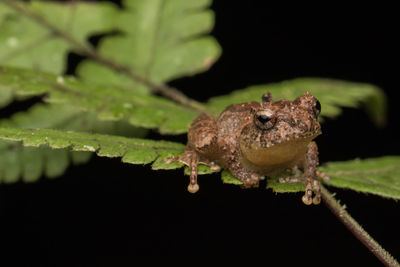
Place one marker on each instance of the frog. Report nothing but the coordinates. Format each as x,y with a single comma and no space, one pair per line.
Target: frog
257,140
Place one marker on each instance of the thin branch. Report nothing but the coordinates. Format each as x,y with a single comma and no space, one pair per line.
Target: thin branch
90,52
356,229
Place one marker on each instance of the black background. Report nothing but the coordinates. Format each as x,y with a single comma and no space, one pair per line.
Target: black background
110,214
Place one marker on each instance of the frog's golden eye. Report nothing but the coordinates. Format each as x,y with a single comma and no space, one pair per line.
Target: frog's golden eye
264,119
317,108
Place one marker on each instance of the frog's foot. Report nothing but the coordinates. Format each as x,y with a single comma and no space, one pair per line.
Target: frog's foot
252,181
192,159
323,176
308,199
193,186
311,185
293,179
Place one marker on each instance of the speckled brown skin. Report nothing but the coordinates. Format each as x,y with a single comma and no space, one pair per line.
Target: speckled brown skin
254,140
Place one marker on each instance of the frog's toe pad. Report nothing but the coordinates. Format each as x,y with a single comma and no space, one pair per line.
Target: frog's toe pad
182,159
193,188
312,186
307,200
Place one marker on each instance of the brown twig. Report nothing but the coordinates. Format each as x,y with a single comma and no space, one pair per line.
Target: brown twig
356,229
90,52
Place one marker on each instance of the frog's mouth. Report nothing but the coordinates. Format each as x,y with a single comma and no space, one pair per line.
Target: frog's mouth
266,153
296,137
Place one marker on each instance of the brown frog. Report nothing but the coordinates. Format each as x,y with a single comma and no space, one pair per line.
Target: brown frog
254,140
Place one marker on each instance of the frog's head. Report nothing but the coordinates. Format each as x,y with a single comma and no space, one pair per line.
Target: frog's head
286,120
281,128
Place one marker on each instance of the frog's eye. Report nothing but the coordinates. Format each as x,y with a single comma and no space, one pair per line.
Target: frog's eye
264,119
317,108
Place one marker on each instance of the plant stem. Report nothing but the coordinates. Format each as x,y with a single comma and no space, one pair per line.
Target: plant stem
89,51
356,229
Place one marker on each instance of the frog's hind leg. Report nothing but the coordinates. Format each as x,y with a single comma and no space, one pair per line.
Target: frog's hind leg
323,176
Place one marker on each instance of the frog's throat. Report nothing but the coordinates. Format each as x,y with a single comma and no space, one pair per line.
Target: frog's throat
279,155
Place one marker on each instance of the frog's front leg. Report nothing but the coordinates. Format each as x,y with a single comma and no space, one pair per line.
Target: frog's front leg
201,146
191,159
311,163
309,175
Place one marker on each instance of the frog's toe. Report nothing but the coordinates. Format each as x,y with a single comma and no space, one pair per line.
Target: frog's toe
317,192
215,167
193,188
182,159
316,200
323,176
252,181
283,180
308,198
171,159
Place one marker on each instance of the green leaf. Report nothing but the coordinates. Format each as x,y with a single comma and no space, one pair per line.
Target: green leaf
52,162
109,103
26,43
272,183
132,150
379,176
30,163
6,96
43,116
228,178
160,164
58,116
278,187
201,170
333,94
160,41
